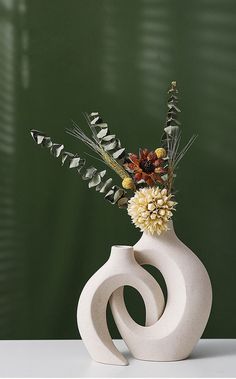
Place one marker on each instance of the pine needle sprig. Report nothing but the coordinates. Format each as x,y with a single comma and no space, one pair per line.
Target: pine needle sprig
92,128
182,153
77,132
97,147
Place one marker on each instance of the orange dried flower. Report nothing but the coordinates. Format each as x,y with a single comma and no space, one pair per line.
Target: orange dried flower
146,167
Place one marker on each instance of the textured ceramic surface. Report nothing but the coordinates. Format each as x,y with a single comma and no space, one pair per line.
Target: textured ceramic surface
176,332
120,269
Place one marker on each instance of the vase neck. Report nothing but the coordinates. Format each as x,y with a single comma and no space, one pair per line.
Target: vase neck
122,254
170,233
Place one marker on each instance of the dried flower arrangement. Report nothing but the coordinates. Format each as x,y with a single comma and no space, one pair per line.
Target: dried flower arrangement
148,175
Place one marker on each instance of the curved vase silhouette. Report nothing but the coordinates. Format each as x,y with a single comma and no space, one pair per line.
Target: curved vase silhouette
120,269
171,330
189,298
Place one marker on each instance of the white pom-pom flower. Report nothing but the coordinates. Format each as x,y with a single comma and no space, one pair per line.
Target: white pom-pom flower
150,209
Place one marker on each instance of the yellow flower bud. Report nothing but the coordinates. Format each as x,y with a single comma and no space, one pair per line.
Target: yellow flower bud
128,183
158,170
160,152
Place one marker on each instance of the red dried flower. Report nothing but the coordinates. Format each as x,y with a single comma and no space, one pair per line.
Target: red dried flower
146,167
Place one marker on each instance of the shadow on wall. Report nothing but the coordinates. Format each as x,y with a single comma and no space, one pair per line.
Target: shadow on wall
122,64
10,278
146,47
214,65
137,51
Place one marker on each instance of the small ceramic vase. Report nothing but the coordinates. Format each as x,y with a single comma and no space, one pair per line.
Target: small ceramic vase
120,269
176,332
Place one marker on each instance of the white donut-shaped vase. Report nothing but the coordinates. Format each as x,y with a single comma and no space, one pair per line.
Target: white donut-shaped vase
189,297
120,269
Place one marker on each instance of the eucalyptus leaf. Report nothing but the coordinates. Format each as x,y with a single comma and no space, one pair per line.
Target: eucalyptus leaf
113,194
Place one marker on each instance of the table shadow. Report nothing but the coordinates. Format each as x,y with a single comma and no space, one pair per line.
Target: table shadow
213,350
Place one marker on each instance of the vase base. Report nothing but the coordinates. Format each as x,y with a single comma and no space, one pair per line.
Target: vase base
161,359
113,363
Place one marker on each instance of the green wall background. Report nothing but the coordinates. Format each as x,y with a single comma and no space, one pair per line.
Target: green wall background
61,58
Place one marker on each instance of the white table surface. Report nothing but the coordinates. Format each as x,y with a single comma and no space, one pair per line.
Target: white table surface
70,359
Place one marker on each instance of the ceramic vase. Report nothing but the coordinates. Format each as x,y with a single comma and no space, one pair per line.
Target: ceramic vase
172,329
176,332
120,269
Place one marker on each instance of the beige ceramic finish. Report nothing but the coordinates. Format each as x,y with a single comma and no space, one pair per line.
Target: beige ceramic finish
183,321
120,269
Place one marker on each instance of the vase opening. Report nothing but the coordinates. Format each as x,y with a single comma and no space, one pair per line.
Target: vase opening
122,253
123,247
